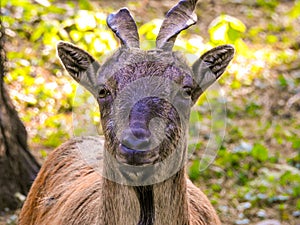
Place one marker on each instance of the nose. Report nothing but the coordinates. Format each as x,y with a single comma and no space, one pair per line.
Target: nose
135,148
136,139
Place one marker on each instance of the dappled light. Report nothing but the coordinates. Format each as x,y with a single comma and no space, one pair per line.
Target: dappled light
256,174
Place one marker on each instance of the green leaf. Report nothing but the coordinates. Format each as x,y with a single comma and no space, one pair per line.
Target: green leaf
226,29
218,33
282,81
268,4
43,153
233,35
194,171
272,39
298,204
85,4
260,152
295,11
38,32
216,187
296,143
236,24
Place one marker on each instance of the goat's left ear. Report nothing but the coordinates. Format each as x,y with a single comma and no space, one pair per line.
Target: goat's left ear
209,67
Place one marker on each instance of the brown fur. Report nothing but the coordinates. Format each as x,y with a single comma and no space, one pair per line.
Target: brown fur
69,191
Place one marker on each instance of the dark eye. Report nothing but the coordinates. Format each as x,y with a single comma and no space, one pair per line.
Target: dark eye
187,92
103,92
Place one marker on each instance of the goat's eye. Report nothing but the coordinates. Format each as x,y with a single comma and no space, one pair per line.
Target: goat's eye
187,92
103,92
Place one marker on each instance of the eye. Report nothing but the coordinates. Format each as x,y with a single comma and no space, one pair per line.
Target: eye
187,92
103,92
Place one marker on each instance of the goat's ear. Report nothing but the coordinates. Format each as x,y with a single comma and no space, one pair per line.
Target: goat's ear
209,67
80,64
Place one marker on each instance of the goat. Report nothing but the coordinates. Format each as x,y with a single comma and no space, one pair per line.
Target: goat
136,174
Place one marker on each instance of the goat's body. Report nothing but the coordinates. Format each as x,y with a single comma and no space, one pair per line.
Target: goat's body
70,191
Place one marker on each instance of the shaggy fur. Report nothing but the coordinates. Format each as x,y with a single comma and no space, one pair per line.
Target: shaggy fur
69,191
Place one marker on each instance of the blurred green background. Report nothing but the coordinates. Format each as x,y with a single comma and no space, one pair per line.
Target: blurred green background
256,174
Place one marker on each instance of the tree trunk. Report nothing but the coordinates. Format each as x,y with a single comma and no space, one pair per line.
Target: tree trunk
18,167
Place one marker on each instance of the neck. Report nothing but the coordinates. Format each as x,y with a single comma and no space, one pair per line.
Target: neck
162,203
146,201
170,199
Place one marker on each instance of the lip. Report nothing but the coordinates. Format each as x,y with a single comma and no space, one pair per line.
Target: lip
136,157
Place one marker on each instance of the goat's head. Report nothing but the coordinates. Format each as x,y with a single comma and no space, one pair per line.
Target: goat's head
145,96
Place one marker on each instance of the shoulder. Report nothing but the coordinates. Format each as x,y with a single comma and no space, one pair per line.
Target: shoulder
68,178
201,210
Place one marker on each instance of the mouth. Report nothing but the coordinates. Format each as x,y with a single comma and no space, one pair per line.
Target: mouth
134,157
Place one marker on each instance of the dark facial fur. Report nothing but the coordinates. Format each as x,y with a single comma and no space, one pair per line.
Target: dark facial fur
146,99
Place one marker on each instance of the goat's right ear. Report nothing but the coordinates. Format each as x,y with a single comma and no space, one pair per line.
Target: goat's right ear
80,64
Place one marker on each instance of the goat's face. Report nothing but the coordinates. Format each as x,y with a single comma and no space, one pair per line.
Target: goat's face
144,101
145,96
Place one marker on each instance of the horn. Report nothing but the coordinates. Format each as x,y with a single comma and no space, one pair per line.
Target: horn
179,18
124,26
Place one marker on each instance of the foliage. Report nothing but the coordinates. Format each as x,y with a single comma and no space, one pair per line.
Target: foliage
256,169
39,88
226,29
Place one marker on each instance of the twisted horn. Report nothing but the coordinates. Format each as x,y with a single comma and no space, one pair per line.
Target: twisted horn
179,18
124,26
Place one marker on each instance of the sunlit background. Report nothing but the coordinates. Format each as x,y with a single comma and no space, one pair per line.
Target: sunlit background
256,173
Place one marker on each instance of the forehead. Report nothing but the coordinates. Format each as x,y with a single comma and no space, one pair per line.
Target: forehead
128,65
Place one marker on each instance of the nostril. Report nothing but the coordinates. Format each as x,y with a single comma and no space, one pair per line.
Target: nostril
139,142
